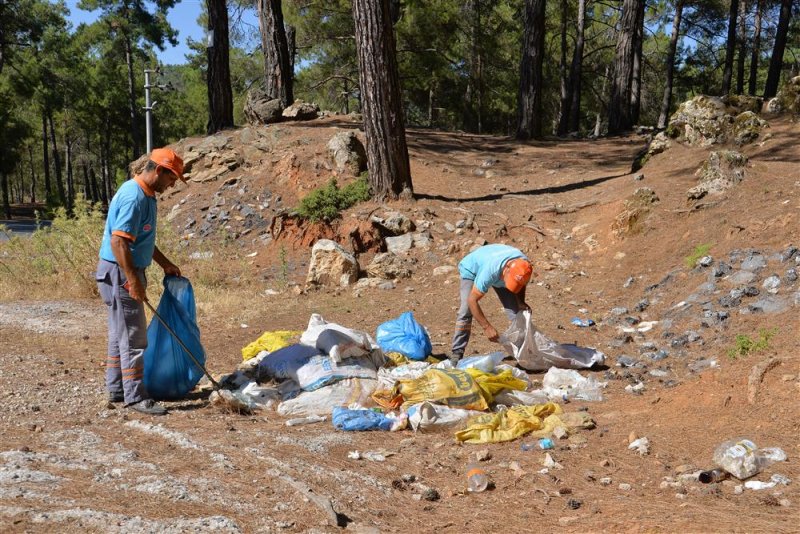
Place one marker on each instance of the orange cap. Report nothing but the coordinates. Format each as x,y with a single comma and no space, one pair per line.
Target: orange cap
166,157
517,274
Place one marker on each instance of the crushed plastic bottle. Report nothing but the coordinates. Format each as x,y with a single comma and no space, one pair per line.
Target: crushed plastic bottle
476,478
743,459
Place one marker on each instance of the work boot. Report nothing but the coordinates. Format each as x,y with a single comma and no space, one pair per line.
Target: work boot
148,406
116,397
455,357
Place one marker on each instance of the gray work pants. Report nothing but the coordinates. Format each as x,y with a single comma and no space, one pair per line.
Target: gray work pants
127,333
464,318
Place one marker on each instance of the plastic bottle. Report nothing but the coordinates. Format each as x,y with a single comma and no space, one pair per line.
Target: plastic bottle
476,478
713,475
743,459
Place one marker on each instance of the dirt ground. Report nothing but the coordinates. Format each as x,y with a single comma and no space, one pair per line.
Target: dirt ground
69,462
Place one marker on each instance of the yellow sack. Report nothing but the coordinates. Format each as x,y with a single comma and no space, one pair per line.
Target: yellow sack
396,359
512,423
270,342
453,387
491,384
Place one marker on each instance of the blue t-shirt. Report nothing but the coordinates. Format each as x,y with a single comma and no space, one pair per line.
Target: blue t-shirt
132,214
484,266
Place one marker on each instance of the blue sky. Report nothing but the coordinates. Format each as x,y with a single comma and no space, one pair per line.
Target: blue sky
183,17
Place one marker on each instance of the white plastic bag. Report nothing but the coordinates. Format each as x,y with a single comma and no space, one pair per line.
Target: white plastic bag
320,371
510,397
567,384
429,417
536,352
339,342
387,376
323,400
485,363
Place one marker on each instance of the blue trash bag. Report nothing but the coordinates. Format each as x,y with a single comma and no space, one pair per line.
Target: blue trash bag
406,336
170,373
359,420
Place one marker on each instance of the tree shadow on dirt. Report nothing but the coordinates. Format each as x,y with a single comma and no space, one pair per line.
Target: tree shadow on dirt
529,192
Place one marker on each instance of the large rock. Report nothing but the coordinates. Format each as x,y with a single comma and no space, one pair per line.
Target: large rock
260,109
348,153
331,265
394,223
788,98
721,171
708,120
388,266
301,111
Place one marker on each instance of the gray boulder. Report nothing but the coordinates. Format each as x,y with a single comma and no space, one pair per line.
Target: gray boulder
394,223
348,153
387,266
301,111
260,109
722,170
331,265
708,120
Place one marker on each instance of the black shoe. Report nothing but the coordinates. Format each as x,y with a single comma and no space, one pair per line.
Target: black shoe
455,357
148,406
116,397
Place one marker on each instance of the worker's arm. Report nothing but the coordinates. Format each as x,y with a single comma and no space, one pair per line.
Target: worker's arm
474,296
168,266
120,246
523,306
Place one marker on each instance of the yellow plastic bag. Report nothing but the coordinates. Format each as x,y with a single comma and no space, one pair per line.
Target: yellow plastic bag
541,419
270,342
453,387
395,359
491,384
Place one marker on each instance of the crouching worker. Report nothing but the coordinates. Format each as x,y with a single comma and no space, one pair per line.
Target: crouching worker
129,246
501,267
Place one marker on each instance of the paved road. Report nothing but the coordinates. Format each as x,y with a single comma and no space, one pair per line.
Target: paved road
20,227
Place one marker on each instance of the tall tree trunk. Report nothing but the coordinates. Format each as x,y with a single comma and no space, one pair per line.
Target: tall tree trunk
33,175
730,47
275,44
776,62
382,107
742,44
220,94
135,143
756,53
619,108
56,161
598,121
70,183
529,106
95,190
575,72
48,192
638,64
666,101
472,113
291,38
105,156
566,100
6,203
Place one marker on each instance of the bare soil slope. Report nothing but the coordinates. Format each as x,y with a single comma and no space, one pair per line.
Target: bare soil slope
70,463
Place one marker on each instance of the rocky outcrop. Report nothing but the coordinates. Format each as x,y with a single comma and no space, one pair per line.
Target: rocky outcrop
260,109
707,120
301,111
393,223
331,265
388,266
637,206
788,98
721,171
348,153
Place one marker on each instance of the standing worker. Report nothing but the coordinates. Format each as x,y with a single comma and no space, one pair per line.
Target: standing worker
501,267
129,246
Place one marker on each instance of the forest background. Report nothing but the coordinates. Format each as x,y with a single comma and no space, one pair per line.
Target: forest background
71,97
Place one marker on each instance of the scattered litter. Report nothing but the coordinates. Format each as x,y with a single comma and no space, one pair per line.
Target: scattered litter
546,443
477,480
549,463
427,417
361,420
583,323
641,445
713,475
773,481
644,326
311,419
372,456
564,384
743,459
637,388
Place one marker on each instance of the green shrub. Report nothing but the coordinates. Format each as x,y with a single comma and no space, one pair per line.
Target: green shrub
327,203
745,345
699,252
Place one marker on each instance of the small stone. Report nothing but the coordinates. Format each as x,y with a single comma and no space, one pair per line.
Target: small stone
483,455
605,481
785,502
632,437
430,494
629,282
449,227
721,269
619,311
625,487
791,275
560,432
626,361
705,261
737,490
574,504
771,284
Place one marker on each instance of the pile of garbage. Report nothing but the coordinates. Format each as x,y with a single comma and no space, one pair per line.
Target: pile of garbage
392,382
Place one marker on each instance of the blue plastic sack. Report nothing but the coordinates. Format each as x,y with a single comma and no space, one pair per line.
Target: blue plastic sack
406,336
359,420
170,373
